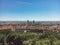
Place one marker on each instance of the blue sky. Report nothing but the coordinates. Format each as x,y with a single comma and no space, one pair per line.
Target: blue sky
21,10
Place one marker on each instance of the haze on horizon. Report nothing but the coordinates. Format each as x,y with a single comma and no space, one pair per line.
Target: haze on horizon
21,10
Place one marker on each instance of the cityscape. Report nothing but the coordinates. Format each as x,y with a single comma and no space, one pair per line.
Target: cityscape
30,25
29,22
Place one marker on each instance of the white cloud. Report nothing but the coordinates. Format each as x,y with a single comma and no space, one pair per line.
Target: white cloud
23,3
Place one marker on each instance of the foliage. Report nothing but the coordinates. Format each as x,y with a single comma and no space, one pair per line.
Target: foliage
29,38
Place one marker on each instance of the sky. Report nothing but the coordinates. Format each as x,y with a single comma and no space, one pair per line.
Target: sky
22,10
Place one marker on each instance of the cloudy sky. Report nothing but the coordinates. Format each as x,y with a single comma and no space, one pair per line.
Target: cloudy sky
21,10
